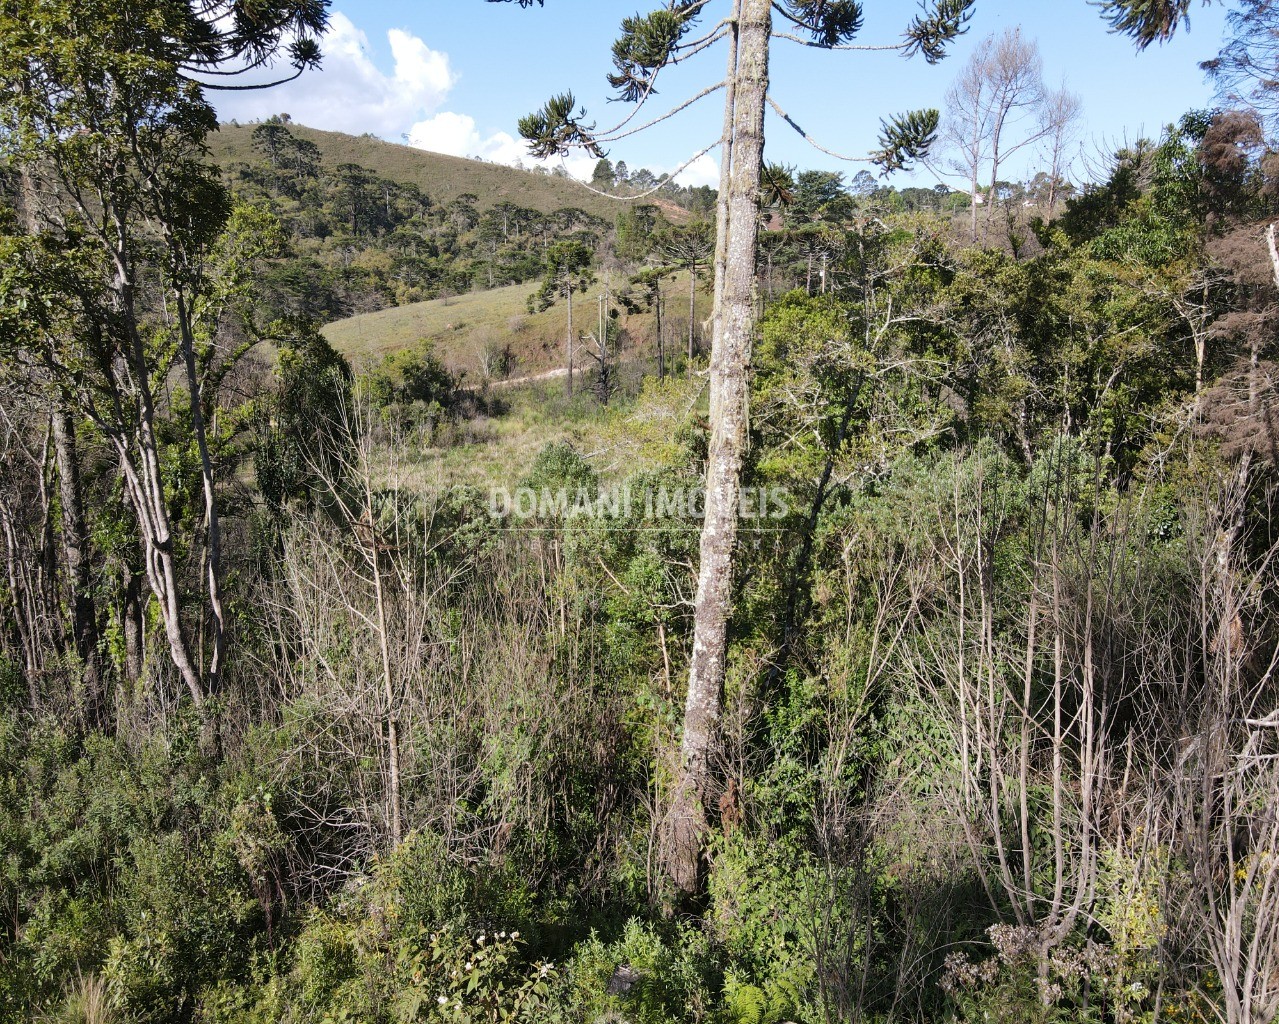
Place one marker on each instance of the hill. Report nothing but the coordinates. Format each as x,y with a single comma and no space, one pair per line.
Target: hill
490,333
443,177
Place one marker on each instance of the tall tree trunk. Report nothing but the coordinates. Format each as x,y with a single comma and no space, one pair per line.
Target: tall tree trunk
661,352
144,483
569,348
734,323
75,555
75,538
692,313
212,521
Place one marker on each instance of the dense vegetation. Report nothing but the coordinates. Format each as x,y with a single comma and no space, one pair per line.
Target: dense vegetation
298,724
361,241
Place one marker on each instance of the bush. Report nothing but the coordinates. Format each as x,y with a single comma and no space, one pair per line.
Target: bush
645,977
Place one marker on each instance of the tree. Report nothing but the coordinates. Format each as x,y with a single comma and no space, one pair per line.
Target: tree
643,180
1246,71
646,46
649,283
604,177
818,196
104,115
998,106
863,184
567,271
271,138
634,232
1059,115
689,246
1147,21
295,160
818,244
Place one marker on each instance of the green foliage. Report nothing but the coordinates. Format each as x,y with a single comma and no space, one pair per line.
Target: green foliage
299,437
768,900
479,980
127,867
1147,21
648,975
559,465
817,196
555,130
413,388
645,45
905,139
372,227
831,23
939,24
950,426
567,270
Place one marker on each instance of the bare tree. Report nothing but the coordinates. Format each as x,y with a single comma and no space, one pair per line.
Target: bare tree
1060,117
1016,90
691,247
997,107
968,124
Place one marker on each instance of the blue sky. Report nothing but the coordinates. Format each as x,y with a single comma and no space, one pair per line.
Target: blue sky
455,76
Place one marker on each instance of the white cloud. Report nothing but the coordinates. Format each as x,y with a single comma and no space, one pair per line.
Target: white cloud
456,135
702,171
348,93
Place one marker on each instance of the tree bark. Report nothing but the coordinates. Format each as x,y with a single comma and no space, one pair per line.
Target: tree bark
734,323
213,525
144,483
75,555
661,352
569,292
692,312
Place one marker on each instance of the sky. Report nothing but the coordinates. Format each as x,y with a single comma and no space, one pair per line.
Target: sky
455,76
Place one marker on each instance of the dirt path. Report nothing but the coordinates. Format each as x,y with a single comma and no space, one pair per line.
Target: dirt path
514,382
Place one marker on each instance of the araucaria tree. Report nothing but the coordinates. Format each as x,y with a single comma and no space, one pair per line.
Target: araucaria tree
688,246
648,44
568,266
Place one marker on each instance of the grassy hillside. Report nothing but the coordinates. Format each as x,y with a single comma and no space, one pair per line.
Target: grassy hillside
443,178
473,330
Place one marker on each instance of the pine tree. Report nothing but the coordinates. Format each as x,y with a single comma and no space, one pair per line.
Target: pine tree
647,44
568,270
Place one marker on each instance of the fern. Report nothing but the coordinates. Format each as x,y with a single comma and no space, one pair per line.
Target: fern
748,1005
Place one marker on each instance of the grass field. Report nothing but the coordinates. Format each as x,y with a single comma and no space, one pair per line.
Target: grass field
470,332
631,434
